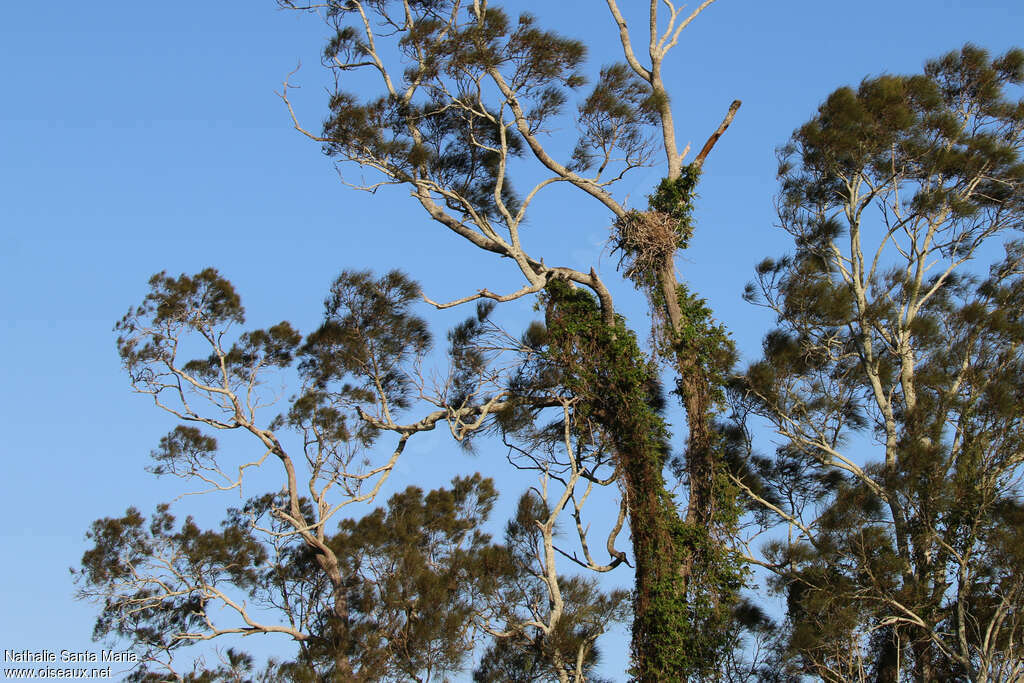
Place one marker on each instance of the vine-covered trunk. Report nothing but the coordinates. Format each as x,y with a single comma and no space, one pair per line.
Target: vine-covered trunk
700,457
694,387
659,620
675,630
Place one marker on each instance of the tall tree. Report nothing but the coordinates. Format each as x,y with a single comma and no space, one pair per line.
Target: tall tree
402,594
466,95
900,335
465,90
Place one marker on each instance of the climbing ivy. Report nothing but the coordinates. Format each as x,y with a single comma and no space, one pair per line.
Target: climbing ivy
675,197
705,341
697,580
680,625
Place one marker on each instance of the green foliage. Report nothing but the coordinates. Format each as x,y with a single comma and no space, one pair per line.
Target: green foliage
123,546
416,572
186,448
682,626
202,303
417,134
529,654
254,350
370,332
395,595
705,341
423,567
912,347
234,666
952,124
206,298
615,115
464,348
679,628
478,89
674,197
602,364
649,240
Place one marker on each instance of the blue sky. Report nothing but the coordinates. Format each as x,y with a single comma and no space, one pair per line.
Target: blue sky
139,137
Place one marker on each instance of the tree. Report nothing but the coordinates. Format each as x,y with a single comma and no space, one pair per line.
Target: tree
465,91
467,96
400,594
413,576
894,339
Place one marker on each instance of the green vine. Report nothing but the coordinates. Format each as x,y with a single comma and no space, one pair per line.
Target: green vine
680,628
704,340
675,198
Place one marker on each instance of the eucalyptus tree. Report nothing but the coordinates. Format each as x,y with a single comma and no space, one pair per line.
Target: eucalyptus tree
399,594
894,378
466,96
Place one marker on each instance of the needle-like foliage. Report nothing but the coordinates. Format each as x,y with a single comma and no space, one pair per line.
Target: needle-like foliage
895,378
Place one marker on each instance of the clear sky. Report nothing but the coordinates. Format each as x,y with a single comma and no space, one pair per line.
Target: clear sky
139,137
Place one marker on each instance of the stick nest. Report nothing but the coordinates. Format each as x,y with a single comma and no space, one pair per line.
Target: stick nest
647,240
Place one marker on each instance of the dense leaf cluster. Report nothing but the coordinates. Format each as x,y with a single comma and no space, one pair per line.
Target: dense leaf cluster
414,575
903,560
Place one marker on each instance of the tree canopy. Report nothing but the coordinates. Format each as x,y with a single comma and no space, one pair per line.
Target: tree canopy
894,377
902,567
